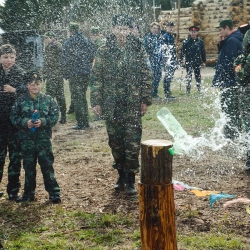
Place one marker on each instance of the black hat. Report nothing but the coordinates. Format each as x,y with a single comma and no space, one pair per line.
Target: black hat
170,24
194,28
121,20
32,75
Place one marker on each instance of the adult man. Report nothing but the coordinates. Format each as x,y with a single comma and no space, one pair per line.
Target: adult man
225,79
168,49
122,94
77,58
52,72
193,56
152,43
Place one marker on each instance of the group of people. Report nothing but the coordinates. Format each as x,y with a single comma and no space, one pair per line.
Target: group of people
161,49
120,91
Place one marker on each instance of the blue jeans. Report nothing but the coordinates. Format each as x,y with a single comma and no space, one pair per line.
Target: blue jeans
157,73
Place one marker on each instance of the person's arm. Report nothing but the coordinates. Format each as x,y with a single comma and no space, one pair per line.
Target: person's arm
203,54
96,86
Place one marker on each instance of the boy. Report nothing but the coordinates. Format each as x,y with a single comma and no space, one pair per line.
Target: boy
36,145
11,86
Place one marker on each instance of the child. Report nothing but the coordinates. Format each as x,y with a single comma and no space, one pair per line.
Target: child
11,86
36,145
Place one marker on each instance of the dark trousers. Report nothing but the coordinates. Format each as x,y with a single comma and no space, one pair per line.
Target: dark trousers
78,88
40,151
196,68
157,73
230,106
9,142
124,141
169,73
55,88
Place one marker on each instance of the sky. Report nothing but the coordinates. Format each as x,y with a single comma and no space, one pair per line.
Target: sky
2,2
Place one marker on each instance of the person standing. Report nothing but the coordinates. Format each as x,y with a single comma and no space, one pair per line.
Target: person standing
52,72
225,78
152,43
122,93
35,137
11,87
168,57
78,54
193,57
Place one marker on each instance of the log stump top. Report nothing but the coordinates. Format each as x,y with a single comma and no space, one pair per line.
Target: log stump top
157,142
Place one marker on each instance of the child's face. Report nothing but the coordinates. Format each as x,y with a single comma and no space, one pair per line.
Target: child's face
34,87
8,60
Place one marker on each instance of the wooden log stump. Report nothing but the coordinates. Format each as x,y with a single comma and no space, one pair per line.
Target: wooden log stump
156,197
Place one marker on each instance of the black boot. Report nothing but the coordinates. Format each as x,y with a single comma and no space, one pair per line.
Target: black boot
71,108
130,184
121,180
63,119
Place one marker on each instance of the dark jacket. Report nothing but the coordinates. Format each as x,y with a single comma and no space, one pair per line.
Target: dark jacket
15,79
23,109
224,71
193,51
121,80
168,48
77,56
152,44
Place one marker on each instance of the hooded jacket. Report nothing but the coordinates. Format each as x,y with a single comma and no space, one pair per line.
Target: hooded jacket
224,72
78,53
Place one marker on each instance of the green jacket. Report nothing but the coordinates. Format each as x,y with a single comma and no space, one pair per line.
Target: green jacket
52,60
121,79
23,109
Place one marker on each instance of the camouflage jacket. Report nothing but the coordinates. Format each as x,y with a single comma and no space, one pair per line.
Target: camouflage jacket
243,61
23,109
52,60
121,79
14,78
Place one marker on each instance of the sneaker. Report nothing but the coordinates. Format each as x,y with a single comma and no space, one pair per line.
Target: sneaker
13,197
155,97
55,198
25,199
169,97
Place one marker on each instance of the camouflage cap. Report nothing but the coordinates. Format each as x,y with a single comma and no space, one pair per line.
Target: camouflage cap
49,34
73,27
224,23
121,20
32,75
95,30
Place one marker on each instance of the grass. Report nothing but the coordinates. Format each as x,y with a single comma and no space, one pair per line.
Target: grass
54,227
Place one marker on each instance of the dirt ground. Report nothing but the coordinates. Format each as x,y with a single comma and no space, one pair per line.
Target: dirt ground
83,169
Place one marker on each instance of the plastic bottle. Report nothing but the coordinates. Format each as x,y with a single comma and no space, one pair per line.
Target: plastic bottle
34,119
182,141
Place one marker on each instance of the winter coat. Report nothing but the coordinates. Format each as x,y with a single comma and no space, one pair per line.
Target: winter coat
15,79
52,60
168,49
193,51
121,79
224,71
77,56
152,44
243,61
23,109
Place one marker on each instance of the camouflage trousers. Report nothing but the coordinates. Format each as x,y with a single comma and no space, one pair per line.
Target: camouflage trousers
124,141
40,151
55,88
78,88
231,107
9,141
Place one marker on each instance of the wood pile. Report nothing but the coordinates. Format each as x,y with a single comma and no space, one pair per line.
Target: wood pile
206,14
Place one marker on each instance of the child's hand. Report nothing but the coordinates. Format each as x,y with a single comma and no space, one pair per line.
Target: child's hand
8,88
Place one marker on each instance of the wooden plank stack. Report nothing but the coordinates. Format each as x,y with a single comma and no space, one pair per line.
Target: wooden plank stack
206,14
